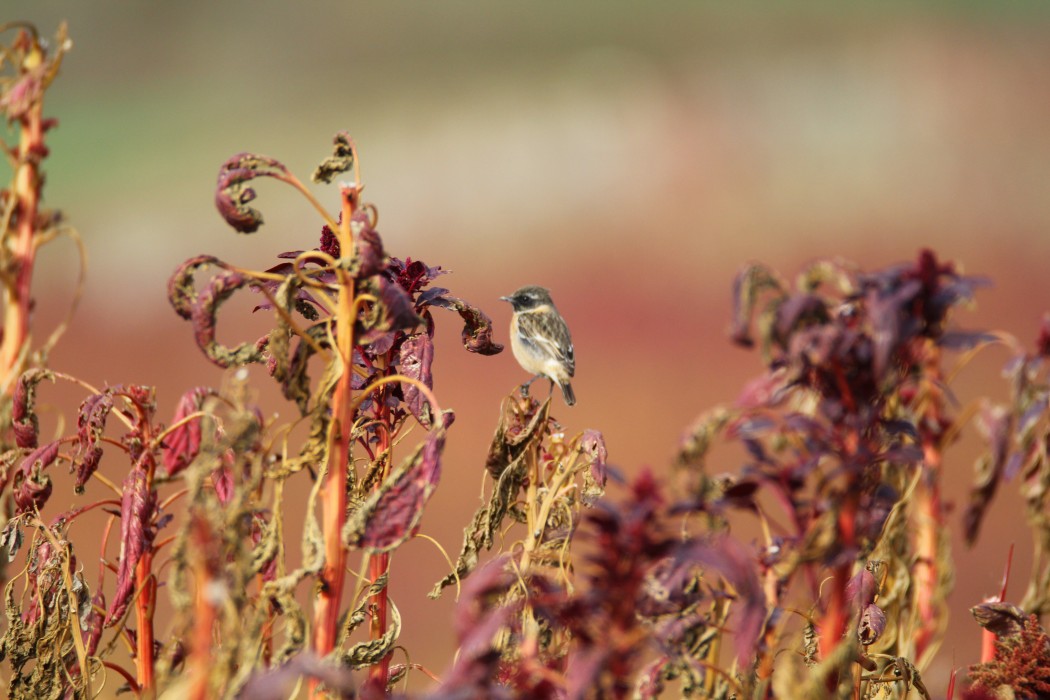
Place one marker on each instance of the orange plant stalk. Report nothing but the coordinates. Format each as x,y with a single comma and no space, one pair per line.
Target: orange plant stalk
23,104
333,495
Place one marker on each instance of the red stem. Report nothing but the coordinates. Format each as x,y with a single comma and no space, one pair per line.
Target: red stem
379,674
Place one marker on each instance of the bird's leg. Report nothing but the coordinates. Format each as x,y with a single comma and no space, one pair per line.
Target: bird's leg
525,386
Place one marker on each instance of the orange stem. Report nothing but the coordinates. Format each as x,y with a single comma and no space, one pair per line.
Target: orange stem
333,492
144,608
27,185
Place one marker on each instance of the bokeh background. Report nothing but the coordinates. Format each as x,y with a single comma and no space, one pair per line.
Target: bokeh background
630,156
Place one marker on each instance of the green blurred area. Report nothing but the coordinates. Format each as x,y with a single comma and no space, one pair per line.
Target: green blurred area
631,156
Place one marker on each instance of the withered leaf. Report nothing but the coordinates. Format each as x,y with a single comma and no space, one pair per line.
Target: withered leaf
341,160
730,559
391,514
477,327
182,294
24,421
32,485
592,446
232,195
747,285
220,288
872,624
518,432
1000,618
91,425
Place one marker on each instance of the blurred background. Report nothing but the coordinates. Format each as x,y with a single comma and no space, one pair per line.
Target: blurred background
629,156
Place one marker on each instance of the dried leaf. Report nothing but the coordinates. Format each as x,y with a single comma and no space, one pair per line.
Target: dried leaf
220,288
232,195
592,446
182,293
872,624
477,327
391,514
747,285
341,160
91,427
24,422
32,486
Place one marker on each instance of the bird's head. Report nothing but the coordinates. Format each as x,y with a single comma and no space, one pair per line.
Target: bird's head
529,298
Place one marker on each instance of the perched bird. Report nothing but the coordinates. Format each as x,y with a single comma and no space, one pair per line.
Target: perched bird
540,339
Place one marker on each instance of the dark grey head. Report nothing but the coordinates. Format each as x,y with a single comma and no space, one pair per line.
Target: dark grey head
529,298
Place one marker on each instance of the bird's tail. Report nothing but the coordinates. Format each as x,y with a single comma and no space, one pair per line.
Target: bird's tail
567,393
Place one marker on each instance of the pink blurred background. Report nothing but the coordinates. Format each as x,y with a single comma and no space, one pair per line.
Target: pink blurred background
631,157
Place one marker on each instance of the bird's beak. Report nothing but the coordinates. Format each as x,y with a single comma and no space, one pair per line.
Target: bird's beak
504,298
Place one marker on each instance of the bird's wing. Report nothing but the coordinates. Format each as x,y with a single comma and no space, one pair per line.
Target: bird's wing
547,333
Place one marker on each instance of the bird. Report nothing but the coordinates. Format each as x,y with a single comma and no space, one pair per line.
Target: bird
540,340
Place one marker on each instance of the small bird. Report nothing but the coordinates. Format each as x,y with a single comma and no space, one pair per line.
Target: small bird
540,339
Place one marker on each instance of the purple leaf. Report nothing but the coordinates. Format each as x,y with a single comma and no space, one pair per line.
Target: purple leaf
183,443
872,624
91,424
860,590
24,422
416,356
32,486
391,514
137,505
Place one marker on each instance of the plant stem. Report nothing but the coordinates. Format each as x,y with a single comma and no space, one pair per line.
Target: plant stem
333,492
27,184
145,604
379,565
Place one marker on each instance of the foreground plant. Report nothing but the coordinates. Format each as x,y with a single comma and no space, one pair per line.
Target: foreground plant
845,436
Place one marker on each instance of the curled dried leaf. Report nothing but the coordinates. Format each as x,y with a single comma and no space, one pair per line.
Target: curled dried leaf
24,422
342,159
477,327
32,486
182,295
232,195
91,425
220,288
